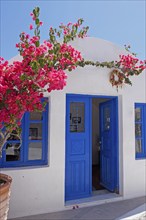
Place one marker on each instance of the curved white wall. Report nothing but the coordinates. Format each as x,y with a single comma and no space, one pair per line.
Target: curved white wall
41,190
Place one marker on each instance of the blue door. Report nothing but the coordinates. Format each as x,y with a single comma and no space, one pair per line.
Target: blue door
109,142
78,179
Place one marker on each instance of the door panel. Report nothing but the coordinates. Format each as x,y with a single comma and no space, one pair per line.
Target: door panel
108,144
77,183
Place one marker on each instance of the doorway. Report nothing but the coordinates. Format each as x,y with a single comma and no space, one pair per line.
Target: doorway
96,144
91,145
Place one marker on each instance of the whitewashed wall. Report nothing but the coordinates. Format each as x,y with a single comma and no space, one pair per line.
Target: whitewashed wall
41,189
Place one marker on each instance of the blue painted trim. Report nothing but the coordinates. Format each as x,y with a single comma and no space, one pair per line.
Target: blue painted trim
24,162
112,184
116,136
91,96
26,136
115,98
72,160
117,143
142,107
90,141
116,132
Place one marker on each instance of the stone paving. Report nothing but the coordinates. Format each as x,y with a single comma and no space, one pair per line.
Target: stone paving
137,214
107,211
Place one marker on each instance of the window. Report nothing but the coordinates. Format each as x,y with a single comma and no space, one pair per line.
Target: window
34,146
77,117
140,130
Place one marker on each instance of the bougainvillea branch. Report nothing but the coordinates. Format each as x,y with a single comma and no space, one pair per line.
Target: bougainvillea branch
43,66
128,65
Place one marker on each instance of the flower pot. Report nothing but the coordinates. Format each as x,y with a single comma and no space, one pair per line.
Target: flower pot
5,183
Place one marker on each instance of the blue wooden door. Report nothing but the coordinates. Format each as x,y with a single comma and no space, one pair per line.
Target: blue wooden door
108,151
78,179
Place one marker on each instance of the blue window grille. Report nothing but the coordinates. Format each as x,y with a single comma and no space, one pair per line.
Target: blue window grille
140,130
33,148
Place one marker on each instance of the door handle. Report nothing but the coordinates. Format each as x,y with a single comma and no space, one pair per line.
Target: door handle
99,145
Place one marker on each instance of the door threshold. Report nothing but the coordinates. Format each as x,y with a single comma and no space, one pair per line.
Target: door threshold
98,197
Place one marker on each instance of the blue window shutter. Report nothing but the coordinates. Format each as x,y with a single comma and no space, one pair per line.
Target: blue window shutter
24,161
140,130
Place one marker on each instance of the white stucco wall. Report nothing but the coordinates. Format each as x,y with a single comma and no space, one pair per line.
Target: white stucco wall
41,190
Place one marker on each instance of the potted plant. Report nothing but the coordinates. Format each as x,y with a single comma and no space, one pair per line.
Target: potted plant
5,183
43,66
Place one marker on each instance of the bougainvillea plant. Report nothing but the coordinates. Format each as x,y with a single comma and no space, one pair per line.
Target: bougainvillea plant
43,66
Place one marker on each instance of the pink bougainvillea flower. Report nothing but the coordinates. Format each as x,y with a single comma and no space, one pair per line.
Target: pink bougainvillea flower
30,26
69,24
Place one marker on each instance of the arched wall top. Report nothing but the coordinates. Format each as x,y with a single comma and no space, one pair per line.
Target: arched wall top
98,49
93,49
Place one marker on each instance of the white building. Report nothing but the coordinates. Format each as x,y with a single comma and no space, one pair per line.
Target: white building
91,136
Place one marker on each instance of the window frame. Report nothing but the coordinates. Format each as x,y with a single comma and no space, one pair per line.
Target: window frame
142,154
24,161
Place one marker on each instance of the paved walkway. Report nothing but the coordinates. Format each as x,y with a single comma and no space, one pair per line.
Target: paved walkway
132,209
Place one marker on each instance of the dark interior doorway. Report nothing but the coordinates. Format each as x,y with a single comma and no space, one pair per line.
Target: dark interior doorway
96,142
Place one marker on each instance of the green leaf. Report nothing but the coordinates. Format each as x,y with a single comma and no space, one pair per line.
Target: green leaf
34,65
34,12
37,21
37,44
23,77
131,73
35,32
50,51
127,81
37,9
41,62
